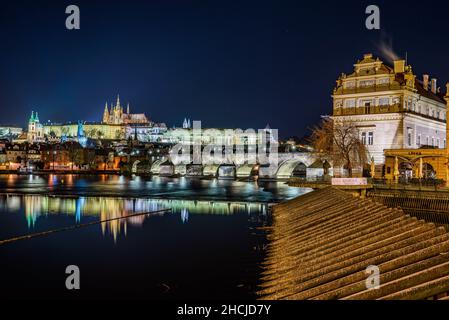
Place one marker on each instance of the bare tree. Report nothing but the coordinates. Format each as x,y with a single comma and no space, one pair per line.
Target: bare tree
339,142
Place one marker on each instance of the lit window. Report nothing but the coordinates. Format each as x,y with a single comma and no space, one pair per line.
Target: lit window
370,138
350,84
364,137
350,103
366,83
384,101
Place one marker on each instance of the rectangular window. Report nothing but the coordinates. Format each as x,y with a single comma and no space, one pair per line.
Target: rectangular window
370,138
433,141
366,83
384,101
350,103
418,140
364,137
350,84
427,140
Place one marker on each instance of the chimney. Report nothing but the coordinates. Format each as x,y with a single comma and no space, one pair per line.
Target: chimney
447,95
434,85
426,81
399,66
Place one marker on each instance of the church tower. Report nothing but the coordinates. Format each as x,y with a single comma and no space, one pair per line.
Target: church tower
117,112
35,129
106,114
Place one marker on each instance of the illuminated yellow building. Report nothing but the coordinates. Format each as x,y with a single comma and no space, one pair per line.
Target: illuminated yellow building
93,130
419,163
116,124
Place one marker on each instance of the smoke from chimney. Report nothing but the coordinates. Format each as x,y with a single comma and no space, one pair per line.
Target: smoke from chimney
385,47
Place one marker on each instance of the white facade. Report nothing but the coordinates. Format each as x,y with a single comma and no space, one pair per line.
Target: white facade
390,107
35,129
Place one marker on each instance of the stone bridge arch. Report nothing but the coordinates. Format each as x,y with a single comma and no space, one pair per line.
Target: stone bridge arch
141,166
287,167
156,166
246,170
134,166
211,170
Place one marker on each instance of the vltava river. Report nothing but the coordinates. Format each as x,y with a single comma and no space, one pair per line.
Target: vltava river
208,246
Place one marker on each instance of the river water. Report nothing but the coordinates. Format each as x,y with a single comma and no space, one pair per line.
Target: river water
208,246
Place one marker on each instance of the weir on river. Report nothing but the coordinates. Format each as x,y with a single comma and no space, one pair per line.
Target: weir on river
323,243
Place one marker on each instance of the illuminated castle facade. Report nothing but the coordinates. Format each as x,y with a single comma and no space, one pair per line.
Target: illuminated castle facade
116,115
116,124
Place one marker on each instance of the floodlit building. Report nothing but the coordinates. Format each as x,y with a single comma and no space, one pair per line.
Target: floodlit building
391,107
35,129
117,115
117,123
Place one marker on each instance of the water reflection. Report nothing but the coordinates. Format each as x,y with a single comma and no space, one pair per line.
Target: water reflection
103,208
148,187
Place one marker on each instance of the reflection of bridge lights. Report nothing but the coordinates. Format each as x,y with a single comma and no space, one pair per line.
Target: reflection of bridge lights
184,215
182,182
103,208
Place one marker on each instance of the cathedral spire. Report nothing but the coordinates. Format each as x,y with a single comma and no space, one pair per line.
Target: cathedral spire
118,101
106,113
127,108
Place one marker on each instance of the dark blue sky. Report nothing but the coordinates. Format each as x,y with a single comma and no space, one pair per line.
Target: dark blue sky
228,63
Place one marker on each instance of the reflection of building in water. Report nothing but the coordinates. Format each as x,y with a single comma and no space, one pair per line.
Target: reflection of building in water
36,206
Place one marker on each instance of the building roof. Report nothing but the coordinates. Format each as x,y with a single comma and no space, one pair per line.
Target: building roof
439,96
323,242
374,66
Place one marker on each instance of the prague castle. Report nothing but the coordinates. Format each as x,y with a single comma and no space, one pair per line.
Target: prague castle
115,124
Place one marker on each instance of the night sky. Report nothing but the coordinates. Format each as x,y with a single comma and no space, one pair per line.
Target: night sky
228,63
